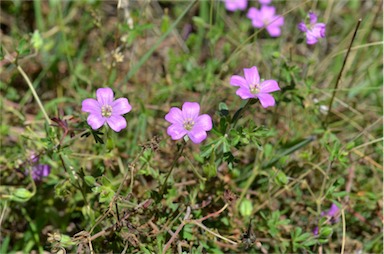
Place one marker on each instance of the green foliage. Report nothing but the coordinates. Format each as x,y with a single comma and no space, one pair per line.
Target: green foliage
262,181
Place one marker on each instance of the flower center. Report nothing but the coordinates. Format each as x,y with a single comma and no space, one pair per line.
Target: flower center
254,88
106,110
188,124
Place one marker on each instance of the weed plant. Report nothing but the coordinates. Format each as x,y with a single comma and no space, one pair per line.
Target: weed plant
191,126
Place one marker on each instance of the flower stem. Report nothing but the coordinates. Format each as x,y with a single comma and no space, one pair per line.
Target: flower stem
240,112
181,149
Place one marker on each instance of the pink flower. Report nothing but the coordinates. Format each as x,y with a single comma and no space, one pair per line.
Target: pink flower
265,1
187,121
233,5
252,87
106,110
313,30
265,17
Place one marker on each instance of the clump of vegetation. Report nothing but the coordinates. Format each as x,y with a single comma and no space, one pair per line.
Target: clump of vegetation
191,126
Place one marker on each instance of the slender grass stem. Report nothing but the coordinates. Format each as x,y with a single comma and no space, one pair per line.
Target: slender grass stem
37,98
340,73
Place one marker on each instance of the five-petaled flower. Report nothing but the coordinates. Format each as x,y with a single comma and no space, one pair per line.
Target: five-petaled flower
265,1
38,171
313,30
187,121
252,87
265,17
106,110
233,5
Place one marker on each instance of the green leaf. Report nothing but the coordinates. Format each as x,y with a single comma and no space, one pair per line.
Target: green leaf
89,180
21,195
246,208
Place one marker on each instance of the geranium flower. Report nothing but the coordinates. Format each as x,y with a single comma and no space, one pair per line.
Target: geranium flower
38,171
265,1
187,121
252,87
332,214
233,5
313,30
265,17
106,110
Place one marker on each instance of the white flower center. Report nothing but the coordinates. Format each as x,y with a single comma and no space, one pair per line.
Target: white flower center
188,124
106,110
254,88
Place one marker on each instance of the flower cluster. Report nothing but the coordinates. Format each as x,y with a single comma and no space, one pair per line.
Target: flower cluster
265,17
314,31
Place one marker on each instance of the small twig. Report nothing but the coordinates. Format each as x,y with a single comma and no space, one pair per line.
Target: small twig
344,231
213,214
213,233
179,228
341,72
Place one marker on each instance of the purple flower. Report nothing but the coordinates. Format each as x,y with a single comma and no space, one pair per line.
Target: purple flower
233,5
252,87
265,17
39,171
333,211
188,122
106,110
265,1
313,30
332,214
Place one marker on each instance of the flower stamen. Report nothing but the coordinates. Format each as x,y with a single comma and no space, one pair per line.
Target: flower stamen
188,124
255,89
106,111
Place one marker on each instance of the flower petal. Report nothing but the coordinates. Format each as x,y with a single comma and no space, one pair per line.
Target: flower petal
176,131
269,86
251,76
104,96
266,100
237,80
203,122
311,39
318,30
267,12
91,106
244,93
277,21
312,18
197,135
265,1
174,116
121,106
302,27
253,13
95,120
190,110
117,122
273,30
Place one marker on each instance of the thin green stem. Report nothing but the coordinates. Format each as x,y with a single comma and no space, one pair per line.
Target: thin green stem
181,149
240,112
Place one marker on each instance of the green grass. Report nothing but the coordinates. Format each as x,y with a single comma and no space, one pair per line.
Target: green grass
257,186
